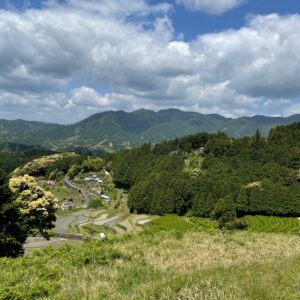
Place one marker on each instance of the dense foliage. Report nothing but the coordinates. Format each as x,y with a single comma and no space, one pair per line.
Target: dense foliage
25,208
252,175
50,166
12,227
15,155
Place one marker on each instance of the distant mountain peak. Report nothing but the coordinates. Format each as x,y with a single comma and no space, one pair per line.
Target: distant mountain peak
119,128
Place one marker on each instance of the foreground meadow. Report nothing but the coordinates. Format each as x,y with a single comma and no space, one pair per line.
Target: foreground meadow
160,265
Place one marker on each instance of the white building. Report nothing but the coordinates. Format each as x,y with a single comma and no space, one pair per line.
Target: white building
106,198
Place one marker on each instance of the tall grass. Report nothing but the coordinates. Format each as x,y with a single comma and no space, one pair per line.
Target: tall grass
198,265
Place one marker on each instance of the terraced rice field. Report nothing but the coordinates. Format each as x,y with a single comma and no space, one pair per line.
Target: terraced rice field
118,223
273,224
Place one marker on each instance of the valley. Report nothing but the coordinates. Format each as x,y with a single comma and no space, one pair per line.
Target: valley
77,218
203,216
149,150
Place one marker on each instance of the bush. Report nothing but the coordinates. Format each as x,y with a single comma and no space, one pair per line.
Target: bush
239,224
92,164
95,203
225,211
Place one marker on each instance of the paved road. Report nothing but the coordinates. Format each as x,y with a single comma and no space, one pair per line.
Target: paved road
73,186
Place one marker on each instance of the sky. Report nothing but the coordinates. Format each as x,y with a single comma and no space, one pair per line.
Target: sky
64,60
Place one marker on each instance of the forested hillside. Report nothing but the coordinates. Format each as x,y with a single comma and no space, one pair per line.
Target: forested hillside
14,155
115,130
212,175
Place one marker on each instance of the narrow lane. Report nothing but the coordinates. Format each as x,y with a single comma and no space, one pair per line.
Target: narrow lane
78,188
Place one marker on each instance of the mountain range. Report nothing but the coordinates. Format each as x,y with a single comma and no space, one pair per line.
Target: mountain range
113,130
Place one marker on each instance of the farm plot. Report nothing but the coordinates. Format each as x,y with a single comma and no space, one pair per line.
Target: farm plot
272,224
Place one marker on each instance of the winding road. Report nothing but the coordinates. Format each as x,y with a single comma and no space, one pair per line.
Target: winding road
73,186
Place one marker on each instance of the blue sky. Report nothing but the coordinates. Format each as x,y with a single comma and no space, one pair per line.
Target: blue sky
68,59
193,23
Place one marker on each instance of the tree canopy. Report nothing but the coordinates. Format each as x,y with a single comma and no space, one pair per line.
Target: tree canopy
252,175
25,209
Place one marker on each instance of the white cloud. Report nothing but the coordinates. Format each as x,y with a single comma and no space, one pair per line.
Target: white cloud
260,60
140,62
86,96
214,7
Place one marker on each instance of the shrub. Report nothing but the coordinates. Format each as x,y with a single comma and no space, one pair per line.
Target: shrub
95,203
239,224
225,211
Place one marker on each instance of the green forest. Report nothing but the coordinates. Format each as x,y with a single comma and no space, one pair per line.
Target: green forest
203,175
13,155
225,179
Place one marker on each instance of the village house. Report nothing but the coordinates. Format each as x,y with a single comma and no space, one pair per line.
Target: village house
51,183
65,206
106,198
93,179
96,191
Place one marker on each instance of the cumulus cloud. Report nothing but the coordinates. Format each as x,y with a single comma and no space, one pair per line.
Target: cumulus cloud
214,7
260,60
86,96
133,52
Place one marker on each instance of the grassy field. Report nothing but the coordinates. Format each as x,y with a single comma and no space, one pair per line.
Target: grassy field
163,265
170,223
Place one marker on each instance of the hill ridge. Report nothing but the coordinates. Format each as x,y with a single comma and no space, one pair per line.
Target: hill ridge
120,129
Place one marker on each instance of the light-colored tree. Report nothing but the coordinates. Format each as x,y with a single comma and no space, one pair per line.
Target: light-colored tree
35,205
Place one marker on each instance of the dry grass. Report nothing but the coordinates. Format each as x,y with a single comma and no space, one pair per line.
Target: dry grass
197,265
204,250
